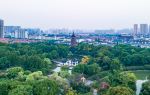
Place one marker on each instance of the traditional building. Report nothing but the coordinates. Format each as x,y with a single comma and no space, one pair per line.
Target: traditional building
73,40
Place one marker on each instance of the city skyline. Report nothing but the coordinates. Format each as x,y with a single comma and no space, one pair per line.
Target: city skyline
75,14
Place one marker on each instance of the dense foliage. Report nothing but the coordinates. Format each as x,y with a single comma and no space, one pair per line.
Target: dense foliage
20,82
31,57
27,69
145,88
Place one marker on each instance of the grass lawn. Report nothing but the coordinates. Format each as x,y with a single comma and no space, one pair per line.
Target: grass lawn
141,74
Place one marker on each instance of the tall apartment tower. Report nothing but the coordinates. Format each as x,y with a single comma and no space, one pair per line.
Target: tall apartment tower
149,30
135,30
144,29
1,28
21,34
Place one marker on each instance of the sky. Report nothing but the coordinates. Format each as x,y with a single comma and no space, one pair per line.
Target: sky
75,14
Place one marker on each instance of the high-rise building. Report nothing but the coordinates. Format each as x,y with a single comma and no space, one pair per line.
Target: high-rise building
21,34
73,40
10,30
144,29
149,30
135,31
1,28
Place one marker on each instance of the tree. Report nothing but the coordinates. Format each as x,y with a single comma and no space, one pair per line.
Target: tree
14,71
106,62
81,68
4,87
47,61
129,79
87,69
92,69
36,63
63,51
145,88
13,58
35,76
115,65
120,91
80,87
62,82
138,59
4,63
21,90
85,60
7,85
45,87
71,92
64,74
54,54
123,79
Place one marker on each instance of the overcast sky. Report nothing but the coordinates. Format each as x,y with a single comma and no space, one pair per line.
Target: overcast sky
82,14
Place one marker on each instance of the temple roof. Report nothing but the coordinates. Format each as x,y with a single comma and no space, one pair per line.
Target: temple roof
73,35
